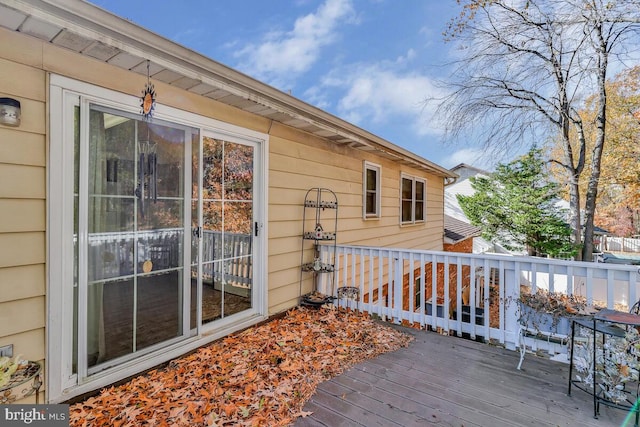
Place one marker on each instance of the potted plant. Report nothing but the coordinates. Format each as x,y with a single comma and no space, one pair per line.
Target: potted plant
551,312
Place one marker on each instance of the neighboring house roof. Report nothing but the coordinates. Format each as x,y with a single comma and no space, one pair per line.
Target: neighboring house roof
451,205
91,31
465,171
453,210
456,230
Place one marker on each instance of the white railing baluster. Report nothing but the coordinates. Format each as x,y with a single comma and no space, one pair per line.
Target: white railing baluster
631,280
472,297
610,289
589,286
398,287
434,292
446,306
380,285
486,301
412,292
501,301
459,296
423,302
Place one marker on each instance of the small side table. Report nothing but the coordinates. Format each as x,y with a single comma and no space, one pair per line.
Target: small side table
29,372
605,322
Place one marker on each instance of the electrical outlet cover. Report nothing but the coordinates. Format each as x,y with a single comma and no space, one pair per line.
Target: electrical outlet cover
6,351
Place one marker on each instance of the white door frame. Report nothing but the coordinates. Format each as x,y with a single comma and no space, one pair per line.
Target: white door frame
64,94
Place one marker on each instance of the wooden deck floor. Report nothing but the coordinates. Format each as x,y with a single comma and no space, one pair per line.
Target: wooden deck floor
449,381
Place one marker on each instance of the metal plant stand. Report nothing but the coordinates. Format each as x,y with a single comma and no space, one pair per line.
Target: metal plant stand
320,222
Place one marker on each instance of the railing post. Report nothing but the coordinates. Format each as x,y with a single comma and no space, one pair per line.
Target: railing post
397,288
512,294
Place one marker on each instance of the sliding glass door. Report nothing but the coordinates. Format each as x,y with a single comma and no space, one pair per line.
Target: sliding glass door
131,207
154,235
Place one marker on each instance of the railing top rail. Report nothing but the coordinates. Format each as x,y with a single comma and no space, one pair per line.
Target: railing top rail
496,257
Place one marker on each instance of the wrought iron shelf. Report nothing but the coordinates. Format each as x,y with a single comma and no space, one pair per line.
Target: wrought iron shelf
318,267
319,223
321,204
311,235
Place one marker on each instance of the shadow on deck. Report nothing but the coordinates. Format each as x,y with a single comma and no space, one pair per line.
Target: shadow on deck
447,381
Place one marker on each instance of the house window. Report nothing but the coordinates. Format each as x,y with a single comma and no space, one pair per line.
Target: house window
371,190
412,199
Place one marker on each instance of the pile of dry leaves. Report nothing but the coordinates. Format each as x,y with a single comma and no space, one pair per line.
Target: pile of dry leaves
261,376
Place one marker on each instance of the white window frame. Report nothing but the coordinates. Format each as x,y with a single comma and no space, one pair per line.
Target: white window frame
63,92
413,180
378,191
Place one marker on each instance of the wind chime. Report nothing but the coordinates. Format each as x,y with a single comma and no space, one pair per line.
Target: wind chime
147,188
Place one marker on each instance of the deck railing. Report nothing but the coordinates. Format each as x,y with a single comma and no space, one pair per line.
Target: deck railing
467,293
227,257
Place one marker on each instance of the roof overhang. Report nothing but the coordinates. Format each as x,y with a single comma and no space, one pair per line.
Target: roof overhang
94,32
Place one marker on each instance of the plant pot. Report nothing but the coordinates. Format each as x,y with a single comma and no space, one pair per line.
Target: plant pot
553,323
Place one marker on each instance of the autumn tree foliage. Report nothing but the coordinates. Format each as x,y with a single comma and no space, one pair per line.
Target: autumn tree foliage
524,71
618,209
227,186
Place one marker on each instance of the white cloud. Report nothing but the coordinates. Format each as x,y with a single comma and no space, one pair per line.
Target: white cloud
283,55
382,93
472,156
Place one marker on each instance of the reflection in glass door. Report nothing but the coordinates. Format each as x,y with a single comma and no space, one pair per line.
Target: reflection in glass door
227,228
132,207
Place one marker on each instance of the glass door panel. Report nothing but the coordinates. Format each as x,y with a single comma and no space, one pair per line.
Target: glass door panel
135,234
227,227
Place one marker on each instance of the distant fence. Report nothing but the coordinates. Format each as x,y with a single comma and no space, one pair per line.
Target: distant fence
618,244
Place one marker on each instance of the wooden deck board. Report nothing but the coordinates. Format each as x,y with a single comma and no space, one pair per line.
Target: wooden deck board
442,380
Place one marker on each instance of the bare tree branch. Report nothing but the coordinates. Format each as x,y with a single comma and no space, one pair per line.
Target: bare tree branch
525,69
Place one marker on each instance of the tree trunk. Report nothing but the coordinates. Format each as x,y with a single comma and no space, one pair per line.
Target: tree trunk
596,161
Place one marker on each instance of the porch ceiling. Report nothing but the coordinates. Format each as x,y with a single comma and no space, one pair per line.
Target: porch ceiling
91,31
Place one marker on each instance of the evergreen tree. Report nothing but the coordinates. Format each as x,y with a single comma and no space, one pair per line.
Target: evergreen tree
516,207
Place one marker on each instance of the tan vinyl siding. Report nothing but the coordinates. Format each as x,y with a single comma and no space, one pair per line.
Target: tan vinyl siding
14,320
22,282
300,161
22,200
32,150
17,215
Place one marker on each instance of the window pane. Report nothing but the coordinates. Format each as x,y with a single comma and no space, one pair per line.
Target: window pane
419,211
407,190
212,168
371,179
419,190
238,171
406,211
371,203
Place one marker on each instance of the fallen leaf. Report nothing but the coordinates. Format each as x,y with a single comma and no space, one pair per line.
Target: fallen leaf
261,376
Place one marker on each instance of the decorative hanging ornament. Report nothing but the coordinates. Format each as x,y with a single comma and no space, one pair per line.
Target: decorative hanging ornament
148,98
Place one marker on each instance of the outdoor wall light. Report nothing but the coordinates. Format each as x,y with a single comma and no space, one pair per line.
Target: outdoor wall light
9,112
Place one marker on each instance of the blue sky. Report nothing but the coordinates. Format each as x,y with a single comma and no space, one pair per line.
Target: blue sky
370,62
